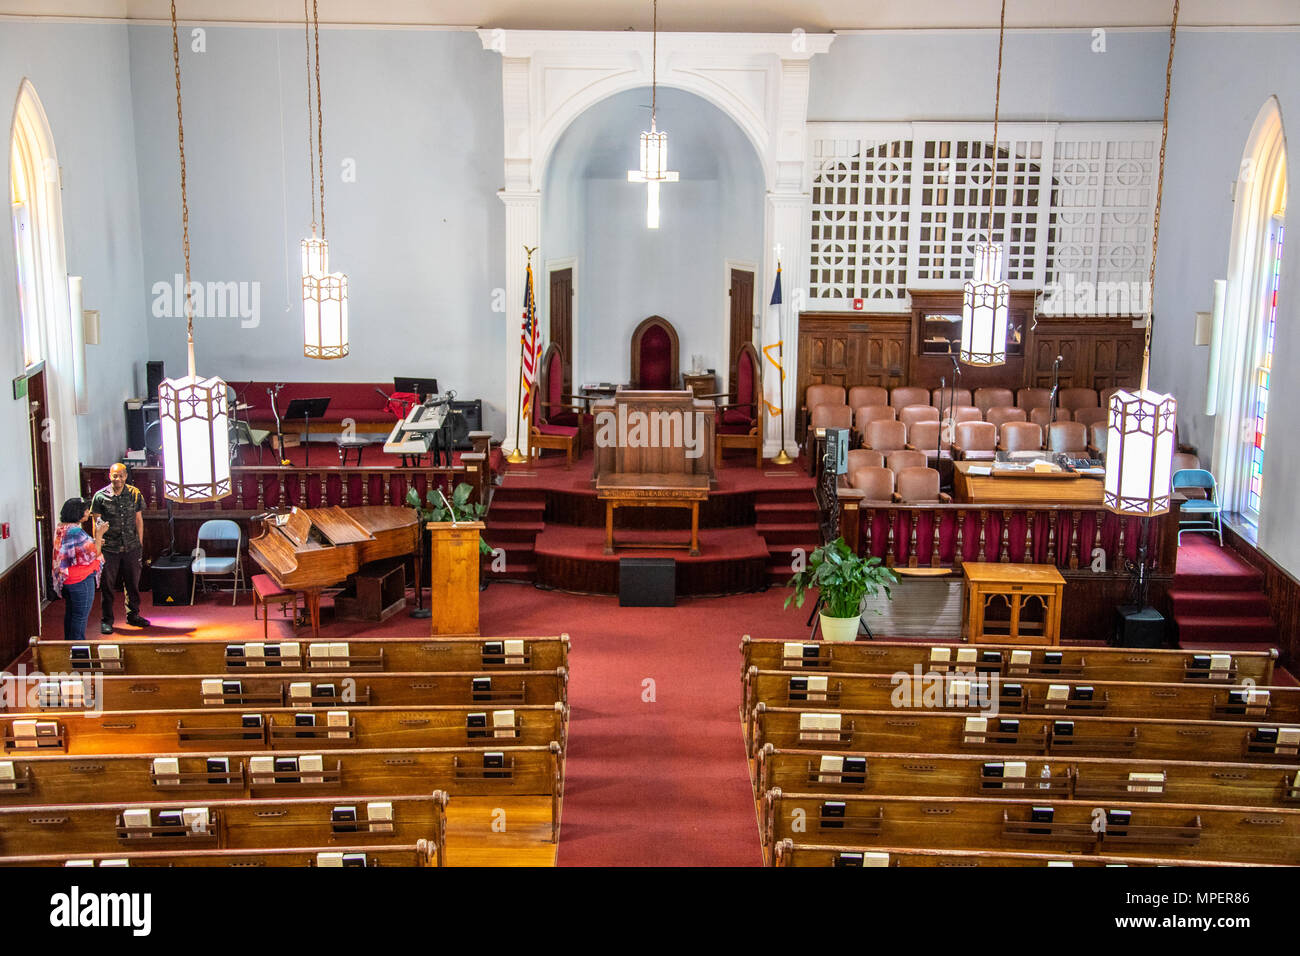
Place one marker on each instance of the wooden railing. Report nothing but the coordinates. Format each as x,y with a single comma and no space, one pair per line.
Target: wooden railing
946,535
257,488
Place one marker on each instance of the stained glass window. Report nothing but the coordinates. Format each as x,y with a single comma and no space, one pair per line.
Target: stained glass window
1262,375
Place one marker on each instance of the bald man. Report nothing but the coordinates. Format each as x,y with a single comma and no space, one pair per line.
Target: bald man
122,506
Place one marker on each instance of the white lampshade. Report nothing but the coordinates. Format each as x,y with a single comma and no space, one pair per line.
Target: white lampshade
654,155
985,304
195,441
1140,443
315,257
325,316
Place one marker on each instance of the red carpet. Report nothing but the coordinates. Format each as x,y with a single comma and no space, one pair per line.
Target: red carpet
1218,599
662,783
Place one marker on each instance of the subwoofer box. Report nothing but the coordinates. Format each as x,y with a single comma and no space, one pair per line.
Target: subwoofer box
169,576
647,582
1138,627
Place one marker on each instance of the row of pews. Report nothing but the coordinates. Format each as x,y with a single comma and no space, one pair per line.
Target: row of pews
903,754
209,752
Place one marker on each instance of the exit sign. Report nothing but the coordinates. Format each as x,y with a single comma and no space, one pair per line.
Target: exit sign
20,387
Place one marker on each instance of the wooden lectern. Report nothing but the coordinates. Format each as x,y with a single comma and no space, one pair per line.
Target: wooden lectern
453,576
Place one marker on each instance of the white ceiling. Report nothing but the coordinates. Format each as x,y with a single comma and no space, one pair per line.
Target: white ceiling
731,16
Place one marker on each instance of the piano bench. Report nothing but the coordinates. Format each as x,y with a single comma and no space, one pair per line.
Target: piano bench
266,591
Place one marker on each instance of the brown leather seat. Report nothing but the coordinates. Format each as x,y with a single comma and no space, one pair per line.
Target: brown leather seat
1028,398
1089,416
831,416
1073,398
909,415
924,437
864,458
823,395
919,486
896,461
1103,397
941,397
906,395
986,398
1040,416
1068,437
999,415
860,395
885,436
977,441
1020,436
876,484
1097,439
966,413
864,415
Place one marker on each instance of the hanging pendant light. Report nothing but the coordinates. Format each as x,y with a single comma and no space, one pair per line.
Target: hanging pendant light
986,297
654,143
324,293
1141,424
192,410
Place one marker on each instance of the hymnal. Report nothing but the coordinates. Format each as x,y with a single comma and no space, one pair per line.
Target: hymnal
329,859
261,767
1011,727
255,653
494,652
994,770
220,767
991,657
1200,662
171,818
235,655
135,820
114,862
819,726
73,692
354,859
48,694
232,688
250,720
482,688
833,815
849,859
109,652
344,819
286,769
514,652
311,766
1220,663
166,767
832,767
78,862
211,690
1011,690
271,655
304,720
1083,692
791,653
1064,863
46,728
79,652
195,819
976,728
290,653
1041,815
816,688
1013,773
24,732
493,764
300,690
476,725
340,651
1146,782
940,655
959,693
855,770
503,722
1117,821
380,816
1063,728
1052,658
8,779
1020,658
1287,738
324,691
338,718
317,655
875,859
967,655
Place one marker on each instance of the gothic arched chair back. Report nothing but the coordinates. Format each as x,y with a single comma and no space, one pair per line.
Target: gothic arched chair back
740,424
654,355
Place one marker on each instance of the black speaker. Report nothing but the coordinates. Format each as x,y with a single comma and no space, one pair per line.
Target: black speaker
647,582
170,577
473,412
153,376
1138,627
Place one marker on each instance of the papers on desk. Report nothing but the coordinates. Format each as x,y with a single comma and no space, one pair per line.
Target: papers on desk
982,471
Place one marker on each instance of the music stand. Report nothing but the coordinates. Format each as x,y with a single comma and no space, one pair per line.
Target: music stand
306,409
420,386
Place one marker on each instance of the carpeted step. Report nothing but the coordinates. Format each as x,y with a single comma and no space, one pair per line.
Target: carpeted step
793,535
1234,631
1204,566
1225,604
515,571
512,508
513,530
786,512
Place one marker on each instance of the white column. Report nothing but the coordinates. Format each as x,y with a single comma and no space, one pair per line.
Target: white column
785,221
522,230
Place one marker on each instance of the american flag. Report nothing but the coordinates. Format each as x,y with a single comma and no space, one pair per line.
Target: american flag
528,344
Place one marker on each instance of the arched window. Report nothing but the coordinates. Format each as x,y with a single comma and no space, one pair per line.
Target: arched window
1249,324
49,333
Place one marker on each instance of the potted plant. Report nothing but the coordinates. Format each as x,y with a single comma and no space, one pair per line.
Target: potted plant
842,580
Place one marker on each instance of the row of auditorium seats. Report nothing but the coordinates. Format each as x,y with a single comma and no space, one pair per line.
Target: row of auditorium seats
373,751
1096,756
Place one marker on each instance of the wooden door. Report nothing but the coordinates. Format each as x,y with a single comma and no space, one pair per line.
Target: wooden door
741,306
561,306
38,413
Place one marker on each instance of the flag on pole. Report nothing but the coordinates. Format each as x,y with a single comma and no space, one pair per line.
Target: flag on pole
772,384
528,348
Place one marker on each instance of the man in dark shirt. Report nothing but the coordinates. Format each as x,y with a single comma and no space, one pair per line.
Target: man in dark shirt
122,506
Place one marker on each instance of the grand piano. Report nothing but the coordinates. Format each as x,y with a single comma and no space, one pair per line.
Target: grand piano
308,550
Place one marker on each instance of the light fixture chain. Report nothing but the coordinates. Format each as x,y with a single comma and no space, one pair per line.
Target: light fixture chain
997,107
654,62
320,121
311,143
1160,188
185,204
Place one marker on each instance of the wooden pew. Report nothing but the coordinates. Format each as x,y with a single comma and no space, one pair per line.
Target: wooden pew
1178,831
232,825
499,772
1144,738
789,853
166,692
420,853
207,655
169,731
1075,778
1030,695
1093,663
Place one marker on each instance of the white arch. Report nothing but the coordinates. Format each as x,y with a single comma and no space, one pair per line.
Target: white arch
45,311
1260,196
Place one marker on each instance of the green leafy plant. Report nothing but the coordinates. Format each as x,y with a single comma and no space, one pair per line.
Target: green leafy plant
462,509
841,578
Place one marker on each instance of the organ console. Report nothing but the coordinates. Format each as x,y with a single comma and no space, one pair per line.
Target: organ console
308,550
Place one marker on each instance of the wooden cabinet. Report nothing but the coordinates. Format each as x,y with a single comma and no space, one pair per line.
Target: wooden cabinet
852,349
705,383
1012,603
1095,353
936,340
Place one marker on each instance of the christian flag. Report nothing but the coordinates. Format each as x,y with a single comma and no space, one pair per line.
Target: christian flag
772,349
528,348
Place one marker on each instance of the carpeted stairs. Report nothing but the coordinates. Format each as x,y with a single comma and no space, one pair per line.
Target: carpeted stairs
1218,599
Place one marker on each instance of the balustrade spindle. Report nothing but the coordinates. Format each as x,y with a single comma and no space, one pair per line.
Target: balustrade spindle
959,540
1075,556
387,493
1004,548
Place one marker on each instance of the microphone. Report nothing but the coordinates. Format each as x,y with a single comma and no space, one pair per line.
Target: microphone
1059,359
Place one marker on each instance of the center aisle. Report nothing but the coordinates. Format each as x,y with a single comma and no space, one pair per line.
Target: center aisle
661,782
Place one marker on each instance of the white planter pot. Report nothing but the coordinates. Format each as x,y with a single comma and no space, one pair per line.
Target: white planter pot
844,629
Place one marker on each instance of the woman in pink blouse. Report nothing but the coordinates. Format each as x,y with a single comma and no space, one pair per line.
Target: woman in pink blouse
77,561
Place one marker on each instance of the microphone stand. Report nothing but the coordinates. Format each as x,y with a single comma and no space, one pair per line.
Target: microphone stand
952,401
938,450
1056,385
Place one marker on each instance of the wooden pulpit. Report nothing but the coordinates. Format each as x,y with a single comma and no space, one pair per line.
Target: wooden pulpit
453,576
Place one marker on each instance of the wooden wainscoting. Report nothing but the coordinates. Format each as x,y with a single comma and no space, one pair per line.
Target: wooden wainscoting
1282,589
21,620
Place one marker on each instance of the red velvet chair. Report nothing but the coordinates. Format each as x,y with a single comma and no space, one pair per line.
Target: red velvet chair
558,408
740,424
654,355
543,431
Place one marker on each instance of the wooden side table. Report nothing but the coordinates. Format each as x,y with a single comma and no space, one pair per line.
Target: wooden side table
1030,595
703,385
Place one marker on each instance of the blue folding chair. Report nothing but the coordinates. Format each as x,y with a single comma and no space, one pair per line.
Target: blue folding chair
222,532
1205,512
